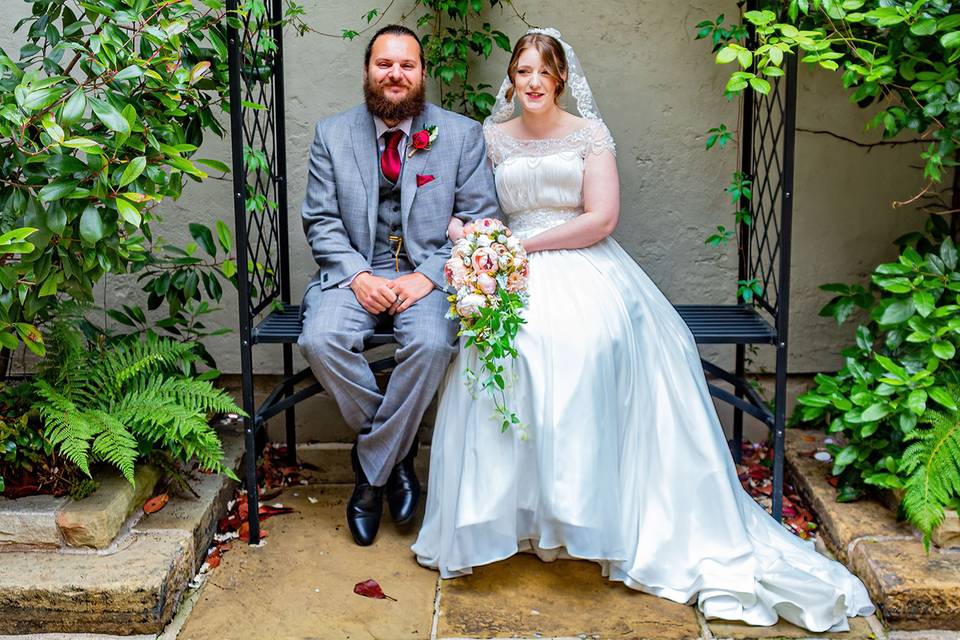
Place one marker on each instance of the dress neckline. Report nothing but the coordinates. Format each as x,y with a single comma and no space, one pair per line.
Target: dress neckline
499,129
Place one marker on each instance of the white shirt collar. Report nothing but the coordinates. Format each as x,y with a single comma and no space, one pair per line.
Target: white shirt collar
404,125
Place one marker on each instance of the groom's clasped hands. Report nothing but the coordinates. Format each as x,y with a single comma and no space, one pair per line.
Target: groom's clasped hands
377,294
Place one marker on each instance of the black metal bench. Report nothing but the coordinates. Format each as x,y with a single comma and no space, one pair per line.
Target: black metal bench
263,264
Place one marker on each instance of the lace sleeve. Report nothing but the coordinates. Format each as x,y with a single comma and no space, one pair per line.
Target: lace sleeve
494,147
599,139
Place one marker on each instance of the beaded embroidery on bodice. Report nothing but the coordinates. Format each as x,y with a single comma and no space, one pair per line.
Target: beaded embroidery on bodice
540,182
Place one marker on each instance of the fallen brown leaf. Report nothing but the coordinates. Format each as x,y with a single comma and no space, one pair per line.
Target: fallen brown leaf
156,503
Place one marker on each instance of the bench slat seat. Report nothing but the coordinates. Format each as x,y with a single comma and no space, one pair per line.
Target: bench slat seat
710,324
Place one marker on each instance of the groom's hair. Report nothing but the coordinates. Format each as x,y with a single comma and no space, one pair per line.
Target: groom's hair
392,30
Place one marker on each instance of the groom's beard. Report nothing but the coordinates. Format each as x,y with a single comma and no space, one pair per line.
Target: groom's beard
394,111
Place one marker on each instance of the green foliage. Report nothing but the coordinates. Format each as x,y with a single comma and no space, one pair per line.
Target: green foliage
452,41
101,114
118,403
900,55
932,466
901,368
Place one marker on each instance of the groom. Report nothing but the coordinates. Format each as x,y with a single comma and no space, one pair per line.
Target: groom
384,179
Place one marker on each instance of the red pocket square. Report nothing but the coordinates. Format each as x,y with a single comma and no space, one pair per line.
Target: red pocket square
423,179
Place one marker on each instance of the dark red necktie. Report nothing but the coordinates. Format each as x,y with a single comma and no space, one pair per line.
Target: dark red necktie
390,158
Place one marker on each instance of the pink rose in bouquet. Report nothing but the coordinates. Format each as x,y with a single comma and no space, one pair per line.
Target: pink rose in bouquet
488,272
485,260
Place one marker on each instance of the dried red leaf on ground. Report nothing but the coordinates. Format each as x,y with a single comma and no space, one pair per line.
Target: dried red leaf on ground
370,589
156,503
213,558
268,511
244,532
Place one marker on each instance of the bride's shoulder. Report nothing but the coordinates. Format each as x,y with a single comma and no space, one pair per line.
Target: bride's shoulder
597,137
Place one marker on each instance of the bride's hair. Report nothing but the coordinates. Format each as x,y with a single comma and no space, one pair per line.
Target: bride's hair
551,52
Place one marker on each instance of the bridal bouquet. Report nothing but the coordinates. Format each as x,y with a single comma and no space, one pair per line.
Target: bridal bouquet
488,271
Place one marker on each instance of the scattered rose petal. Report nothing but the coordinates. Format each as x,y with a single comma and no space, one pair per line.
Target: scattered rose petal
370,589
156,503
312,500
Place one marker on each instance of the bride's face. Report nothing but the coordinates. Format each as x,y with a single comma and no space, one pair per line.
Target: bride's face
535,87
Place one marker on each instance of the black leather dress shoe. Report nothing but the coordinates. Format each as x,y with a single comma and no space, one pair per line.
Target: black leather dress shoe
364,507
403,489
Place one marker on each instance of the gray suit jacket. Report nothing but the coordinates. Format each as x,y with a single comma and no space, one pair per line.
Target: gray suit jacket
340,208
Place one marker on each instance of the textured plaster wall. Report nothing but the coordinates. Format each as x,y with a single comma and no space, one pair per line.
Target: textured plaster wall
658,91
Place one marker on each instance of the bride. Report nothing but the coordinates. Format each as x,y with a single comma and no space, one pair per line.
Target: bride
625,462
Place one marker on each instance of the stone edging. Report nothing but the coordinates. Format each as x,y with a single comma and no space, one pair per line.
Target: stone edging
912,590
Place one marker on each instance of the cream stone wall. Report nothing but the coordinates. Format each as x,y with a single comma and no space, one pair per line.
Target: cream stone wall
659,91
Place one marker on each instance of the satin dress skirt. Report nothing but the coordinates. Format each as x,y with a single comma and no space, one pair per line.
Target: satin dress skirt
625,462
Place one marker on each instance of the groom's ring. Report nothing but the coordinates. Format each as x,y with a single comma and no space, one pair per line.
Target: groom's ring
399,301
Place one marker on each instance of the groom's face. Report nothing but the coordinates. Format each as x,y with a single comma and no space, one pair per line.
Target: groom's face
394,78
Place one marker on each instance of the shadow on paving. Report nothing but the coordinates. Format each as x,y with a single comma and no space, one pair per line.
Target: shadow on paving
300,585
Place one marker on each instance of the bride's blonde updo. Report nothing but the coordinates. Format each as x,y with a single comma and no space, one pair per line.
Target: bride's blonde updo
551,52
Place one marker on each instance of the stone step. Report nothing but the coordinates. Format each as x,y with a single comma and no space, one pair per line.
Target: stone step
95,521
134,586
912,589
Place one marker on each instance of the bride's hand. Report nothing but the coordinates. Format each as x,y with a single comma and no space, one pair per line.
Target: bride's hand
455,228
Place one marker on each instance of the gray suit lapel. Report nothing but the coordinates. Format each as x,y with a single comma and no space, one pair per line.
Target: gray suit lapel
418,164
365,151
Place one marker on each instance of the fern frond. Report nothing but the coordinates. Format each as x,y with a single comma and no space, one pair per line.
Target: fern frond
115,444
140,358
933,462
67,428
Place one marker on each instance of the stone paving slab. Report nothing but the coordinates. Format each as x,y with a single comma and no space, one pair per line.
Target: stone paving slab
527,597
840,524
199,515
912,590
96,520
134,590
916,590
299,584
859,630
31,520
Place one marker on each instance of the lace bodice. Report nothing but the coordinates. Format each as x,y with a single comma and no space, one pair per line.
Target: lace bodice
540,182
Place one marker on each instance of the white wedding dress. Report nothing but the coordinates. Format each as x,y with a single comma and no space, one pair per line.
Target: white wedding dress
625,462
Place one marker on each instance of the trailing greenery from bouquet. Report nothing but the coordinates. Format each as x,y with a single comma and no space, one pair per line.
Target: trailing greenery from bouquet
900,372
119,403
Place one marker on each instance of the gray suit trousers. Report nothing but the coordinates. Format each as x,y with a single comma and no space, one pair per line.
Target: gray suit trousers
335,326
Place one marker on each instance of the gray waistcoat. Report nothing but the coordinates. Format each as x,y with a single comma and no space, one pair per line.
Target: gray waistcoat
388,224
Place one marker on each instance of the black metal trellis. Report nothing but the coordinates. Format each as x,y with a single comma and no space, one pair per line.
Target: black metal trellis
767,135
255,44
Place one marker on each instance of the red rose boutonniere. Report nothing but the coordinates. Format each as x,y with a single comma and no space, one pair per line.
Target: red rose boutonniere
421,140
